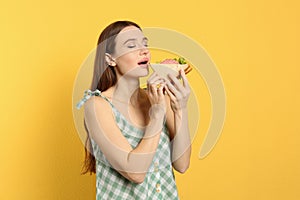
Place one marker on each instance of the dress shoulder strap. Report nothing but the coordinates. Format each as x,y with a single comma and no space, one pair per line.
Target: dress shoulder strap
88,94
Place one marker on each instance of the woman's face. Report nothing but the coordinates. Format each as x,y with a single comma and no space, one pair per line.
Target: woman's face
132,56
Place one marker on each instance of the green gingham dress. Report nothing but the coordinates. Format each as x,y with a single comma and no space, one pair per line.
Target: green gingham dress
159,182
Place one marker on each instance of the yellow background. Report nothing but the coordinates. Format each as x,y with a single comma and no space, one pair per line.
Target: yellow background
255,45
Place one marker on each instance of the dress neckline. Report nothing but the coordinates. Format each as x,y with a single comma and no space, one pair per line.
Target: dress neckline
142,130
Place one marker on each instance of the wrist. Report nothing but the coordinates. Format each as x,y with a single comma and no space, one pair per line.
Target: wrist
157,111
180,111
157,119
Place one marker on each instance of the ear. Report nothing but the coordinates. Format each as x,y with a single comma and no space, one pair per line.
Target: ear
110,60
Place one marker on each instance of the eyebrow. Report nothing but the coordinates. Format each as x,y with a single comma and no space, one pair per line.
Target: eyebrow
134,39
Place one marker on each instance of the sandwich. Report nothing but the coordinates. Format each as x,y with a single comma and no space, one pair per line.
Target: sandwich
171,66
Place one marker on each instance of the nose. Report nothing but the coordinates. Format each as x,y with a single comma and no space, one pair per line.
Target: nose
144,50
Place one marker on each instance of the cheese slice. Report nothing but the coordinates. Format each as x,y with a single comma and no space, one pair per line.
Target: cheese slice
165,69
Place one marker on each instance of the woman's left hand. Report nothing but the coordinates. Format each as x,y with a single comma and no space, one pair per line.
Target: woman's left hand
178,93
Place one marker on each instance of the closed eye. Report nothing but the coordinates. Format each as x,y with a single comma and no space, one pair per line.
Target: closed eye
131,46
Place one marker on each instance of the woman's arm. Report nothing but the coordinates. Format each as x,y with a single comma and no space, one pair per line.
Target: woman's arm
133,164
177,122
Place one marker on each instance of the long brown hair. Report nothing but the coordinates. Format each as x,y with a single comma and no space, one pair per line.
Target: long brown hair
104,77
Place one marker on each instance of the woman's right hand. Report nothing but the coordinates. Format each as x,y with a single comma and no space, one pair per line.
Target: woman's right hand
156,94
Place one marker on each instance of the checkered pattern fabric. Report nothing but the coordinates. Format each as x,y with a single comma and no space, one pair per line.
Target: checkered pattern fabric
159,182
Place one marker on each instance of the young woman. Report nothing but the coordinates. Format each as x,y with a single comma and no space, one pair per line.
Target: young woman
135,137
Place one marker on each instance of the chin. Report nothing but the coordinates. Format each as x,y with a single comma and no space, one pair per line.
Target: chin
141,72
138,72
145,73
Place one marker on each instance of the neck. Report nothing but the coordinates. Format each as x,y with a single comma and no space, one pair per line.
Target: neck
127,90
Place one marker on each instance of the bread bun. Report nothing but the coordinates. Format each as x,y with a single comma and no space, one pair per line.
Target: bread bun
165,69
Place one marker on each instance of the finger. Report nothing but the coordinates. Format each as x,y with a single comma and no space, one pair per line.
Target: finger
177,83
149,81
148,87
153,88
184,79
157,84
154,85
172,89
171,95
156,79
160,89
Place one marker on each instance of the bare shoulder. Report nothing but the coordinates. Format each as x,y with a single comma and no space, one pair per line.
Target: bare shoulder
98,105
94,100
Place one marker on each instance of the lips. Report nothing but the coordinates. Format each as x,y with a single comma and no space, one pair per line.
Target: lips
143,62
